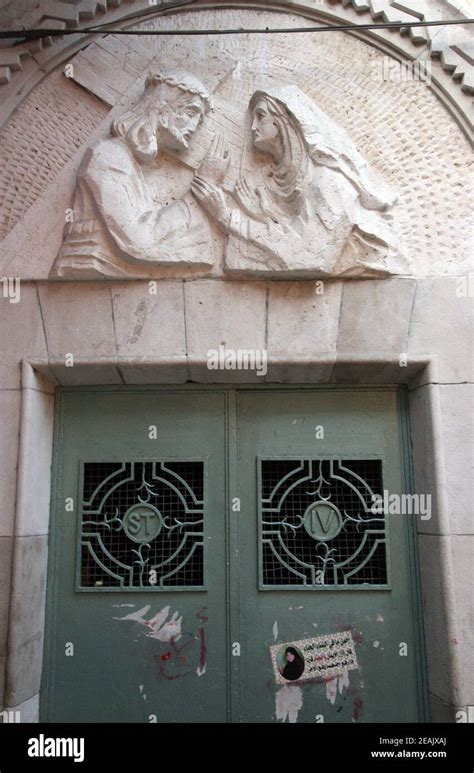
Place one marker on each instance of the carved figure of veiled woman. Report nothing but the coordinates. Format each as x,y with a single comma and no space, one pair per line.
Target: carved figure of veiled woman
306,200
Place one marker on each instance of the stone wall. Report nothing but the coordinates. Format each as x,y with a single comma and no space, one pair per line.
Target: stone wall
414,329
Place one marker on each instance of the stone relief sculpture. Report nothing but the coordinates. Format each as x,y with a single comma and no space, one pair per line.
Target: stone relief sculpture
305,203
118,217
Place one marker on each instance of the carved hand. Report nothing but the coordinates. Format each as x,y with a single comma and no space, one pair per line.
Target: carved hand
248,199
214,165
212,198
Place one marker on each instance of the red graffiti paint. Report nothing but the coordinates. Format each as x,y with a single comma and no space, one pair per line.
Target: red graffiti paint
358,703
183,646
174,657
203,650
171,678
358,637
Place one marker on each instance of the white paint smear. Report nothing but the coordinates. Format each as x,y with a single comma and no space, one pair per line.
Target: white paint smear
138,616
163,629
275,631
343,682
331,689
288,702
201,671
160,628
335,685
168,631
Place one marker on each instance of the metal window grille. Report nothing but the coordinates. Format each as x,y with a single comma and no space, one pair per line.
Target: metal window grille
142,526
317,524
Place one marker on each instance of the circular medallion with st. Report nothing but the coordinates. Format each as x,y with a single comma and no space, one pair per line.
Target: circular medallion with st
322,521
142,523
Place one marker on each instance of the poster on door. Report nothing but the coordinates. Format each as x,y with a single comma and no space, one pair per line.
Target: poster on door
321,657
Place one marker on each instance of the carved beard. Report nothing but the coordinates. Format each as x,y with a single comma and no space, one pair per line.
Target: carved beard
142,138
180,141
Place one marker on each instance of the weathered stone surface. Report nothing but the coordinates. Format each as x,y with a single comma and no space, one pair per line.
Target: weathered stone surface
21,334
28,710
398,153
24,670
56,108
6,549
59,15
302,331
308,206
32,378
312,207
34,471
149,320
438,615
284,370
231,313
98,73
441,711
428,457
439,299
360,369
78,320
457,412
124,207
10,401
409,141
462,553
375,317
86,372
303,319
26,620
167,370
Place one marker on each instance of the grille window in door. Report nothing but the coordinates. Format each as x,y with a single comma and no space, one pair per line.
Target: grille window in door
142,526
319,526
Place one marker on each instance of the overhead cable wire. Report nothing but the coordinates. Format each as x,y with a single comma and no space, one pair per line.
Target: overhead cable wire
34,34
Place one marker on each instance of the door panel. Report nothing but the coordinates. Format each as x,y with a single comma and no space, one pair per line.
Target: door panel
213,558
137,590
314,489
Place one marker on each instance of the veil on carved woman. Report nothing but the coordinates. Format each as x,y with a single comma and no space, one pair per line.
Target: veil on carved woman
306,201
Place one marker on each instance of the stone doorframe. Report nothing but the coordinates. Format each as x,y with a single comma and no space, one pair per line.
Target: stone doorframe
27,606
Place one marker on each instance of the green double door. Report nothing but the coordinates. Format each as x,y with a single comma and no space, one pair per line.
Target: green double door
221,555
